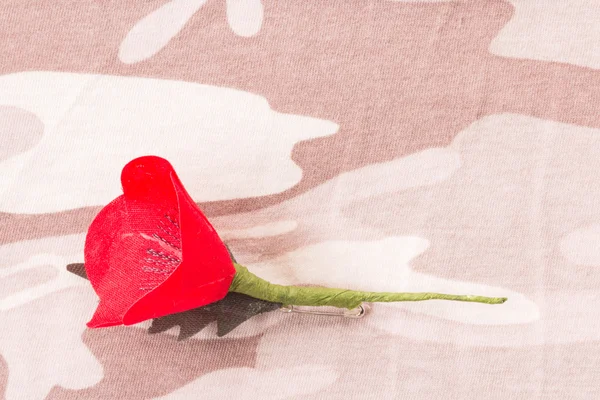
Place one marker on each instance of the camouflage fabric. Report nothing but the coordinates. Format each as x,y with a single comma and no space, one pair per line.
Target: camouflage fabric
448,146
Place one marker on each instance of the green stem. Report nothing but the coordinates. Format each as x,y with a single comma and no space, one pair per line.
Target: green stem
247,283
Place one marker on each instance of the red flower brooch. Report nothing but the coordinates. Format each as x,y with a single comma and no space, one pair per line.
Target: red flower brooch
152,253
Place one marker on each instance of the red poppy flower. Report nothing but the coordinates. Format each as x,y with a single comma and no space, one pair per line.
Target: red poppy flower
151,252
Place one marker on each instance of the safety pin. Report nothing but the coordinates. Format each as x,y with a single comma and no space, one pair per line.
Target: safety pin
357,312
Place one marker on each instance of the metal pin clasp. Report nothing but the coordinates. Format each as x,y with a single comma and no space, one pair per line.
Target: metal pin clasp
357,312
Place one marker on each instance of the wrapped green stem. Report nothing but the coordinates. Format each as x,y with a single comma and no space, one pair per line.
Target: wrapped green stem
247,283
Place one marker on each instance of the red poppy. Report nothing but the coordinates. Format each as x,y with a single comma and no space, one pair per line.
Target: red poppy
151,252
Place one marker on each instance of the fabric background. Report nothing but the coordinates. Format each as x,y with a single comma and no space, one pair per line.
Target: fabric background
448,146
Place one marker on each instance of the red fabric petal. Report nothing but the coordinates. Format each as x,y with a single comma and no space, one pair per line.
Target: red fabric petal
151,252
205,273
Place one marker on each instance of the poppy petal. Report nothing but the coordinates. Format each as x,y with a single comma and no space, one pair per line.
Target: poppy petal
204,275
